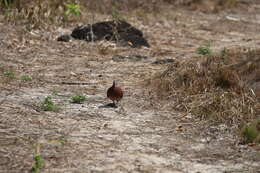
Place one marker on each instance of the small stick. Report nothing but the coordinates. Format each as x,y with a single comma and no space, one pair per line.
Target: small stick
75,83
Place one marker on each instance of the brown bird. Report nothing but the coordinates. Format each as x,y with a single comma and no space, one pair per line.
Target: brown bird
115,93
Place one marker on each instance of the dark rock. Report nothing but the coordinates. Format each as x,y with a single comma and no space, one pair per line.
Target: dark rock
163,61
65,38
118,31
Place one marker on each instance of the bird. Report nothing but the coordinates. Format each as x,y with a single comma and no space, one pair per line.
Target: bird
115,93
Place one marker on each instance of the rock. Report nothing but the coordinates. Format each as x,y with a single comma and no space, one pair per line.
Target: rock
118,31
65,38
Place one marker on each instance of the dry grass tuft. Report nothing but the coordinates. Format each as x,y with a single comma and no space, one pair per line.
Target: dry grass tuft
218,87
36,14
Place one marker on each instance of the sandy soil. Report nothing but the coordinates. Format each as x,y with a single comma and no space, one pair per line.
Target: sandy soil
141,135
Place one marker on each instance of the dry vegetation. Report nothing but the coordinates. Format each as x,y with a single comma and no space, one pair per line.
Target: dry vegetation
42,13
219,87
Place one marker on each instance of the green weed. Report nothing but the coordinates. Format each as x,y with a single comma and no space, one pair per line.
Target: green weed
251,132
10,74
78,99
204,49
38,161
26,78
72,9
36,168
48,104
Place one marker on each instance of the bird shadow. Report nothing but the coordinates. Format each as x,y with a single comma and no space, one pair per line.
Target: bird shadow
109,105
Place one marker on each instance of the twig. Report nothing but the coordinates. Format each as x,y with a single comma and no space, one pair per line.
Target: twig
75,83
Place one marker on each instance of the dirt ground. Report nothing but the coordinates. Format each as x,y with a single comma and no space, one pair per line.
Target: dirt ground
141,135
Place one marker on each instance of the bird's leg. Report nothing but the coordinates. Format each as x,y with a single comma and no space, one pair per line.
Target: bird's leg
114,103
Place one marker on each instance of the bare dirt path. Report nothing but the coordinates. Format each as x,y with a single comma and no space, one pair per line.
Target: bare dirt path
140,135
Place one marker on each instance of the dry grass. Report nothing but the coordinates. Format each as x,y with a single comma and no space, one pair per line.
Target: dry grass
218,87
35,14
43,13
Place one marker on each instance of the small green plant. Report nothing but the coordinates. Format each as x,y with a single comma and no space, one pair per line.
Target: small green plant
55,91
78,99
26,78
62,140
205,49
10,74
251,132
7,3
48,105
72,9
38,160
116,15
36,168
